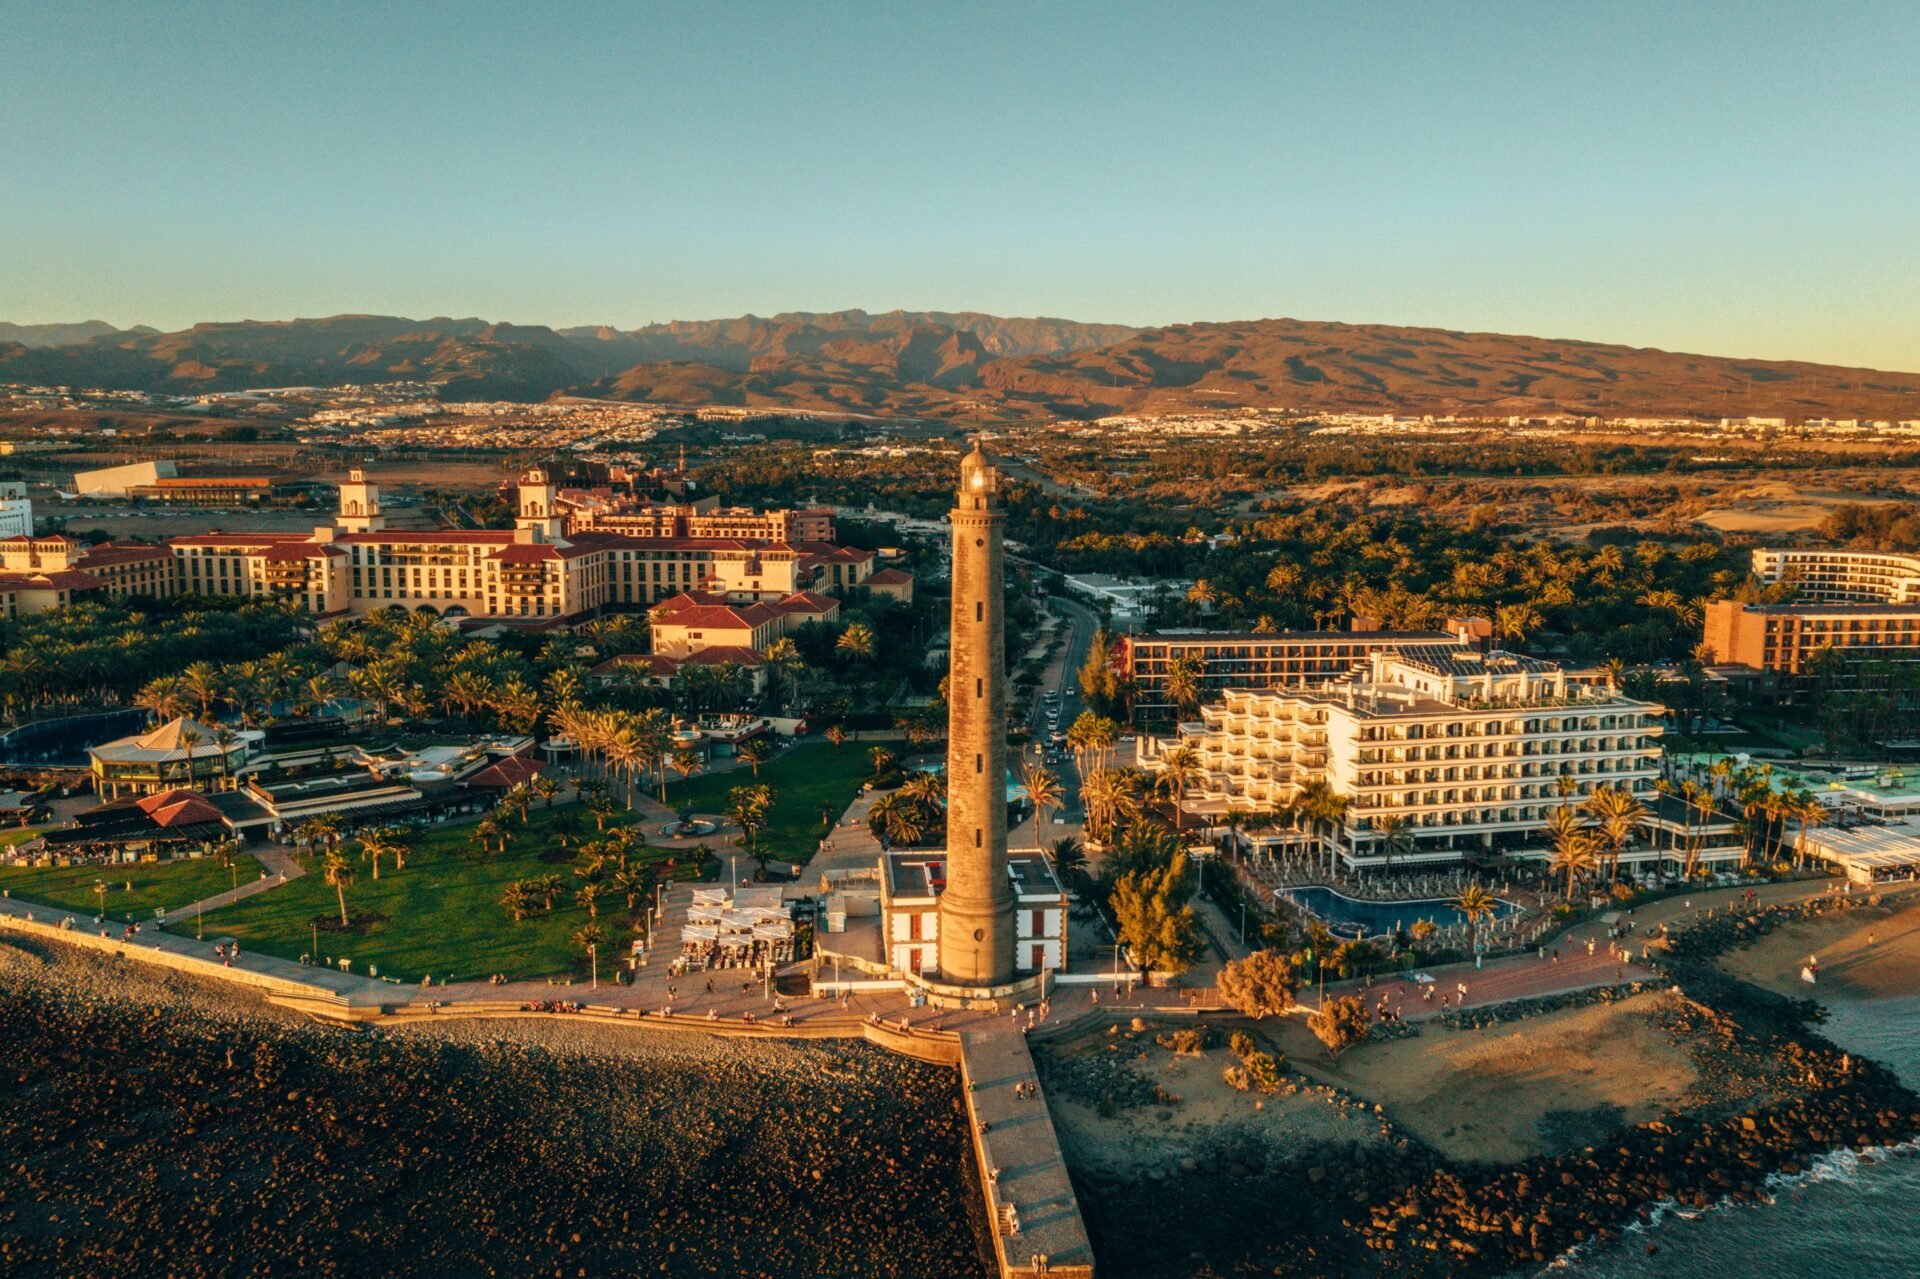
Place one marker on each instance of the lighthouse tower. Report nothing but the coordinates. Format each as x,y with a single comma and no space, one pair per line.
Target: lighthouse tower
976,926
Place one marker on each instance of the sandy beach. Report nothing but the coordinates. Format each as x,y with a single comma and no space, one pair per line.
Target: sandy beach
1532,1087
1869,953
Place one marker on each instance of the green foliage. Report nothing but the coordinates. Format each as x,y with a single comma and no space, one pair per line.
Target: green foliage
156,885
1155,916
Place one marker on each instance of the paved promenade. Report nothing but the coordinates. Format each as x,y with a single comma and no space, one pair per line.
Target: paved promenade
1035,1213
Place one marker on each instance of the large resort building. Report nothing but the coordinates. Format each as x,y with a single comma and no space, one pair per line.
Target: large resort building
1252,660
1469,749
1861,605
543,571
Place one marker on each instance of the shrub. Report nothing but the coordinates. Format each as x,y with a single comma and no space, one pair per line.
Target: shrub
1341,1023
1192,1040
1259,985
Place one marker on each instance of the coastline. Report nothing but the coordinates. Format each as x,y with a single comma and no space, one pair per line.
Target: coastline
227,1136
1781,1097
1867,1004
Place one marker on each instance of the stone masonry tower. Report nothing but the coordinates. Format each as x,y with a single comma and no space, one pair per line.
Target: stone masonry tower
976,907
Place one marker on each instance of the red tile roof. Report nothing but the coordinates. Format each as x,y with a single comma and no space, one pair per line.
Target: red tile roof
808,602
121,553
237,539
508,773
179,808
719,653
286,552
61,579
746,616
888,577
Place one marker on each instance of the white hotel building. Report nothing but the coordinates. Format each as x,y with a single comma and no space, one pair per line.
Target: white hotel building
1834,576
1466,747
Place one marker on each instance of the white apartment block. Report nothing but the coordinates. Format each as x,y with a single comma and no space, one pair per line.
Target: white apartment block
1837,576
1468,748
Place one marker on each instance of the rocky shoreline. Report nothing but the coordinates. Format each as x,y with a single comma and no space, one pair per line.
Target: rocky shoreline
1775,1097
152,1124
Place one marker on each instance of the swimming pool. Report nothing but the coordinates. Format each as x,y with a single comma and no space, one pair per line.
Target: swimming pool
64,742
1350,916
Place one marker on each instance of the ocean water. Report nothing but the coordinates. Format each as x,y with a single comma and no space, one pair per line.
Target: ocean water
1844,1219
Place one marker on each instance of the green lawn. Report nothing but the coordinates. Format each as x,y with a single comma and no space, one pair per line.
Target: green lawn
155,884
443,912
804,778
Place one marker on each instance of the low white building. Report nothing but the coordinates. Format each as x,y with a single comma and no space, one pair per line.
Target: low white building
910,886
16,511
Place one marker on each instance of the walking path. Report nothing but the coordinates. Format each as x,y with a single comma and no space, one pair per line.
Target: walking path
1028,1191
277,866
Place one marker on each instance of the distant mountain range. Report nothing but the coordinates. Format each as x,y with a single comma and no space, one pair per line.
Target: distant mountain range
960,365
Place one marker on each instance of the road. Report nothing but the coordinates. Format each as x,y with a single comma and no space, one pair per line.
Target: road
1062,676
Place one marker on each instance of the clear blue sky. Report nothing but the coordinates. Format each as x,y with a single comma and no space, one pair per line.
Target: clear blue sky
1739,179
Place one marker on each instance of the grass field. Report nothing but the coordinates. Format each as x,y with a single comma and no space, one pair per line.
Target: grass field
443,915
155,884
806,779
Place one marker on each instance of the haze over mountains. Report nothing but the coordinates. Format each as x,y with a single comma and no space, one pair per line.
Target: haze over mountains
960,365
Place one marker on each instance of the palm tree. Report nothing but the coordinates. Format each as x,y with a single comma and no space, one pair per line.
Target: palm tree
1112,798
1046,794
1573,846
589,938
1703,804
1396,837
381,842
1476,903
837,735
589,895
1619,816
339,873
201,682
1516,621
756,751
856,642
1178,767
164,698
602,806
633,883
546,788
687,762
518,899
784,665
749,807
224,738
901,822
1184,684
1069,857
883,759
487,830
1809,812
